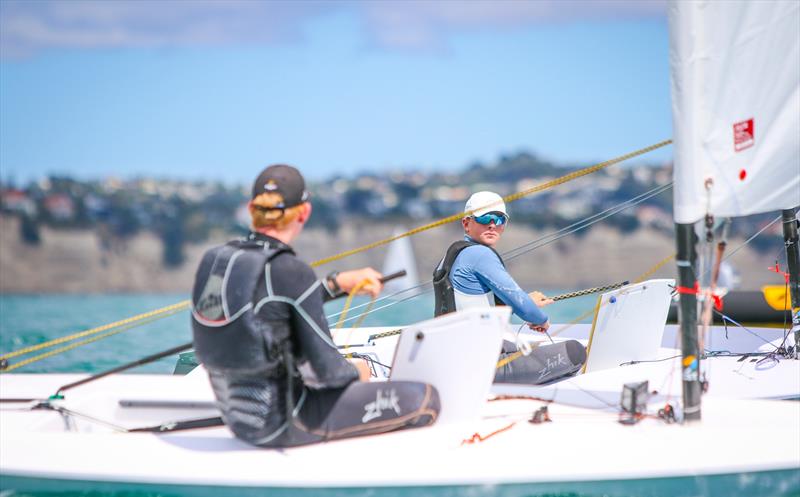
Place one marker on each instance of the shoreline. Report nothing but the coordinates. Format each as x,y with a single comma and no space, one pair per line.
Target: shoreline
73,261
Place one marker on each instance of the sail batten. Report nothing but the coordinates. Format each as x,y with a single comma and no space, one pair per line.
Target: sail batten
735,70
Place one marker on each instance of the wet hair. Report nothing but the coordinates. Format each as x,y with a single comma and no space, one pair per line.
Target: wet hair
265,214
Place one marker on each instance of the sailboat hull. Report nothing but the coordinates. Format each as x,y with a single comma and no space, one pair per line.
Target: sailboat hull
764,483
732,451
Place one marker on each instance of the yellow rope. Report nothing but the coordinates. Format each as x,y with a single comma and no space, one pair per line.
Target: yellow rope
346,308
655,268
82,342
349,301
508,198
171,309
516,355
364,314
511,358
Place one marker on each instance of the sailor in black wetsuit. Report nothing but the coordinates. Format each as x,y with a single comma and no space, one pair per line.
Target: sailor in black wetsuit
260,332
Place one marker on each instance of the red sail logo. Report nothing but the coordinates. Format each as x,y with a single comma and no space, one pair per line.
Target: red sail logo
743,135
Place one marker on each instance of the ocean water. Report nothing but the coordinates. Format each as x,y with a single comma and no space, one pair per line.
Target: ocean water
28,320
766,483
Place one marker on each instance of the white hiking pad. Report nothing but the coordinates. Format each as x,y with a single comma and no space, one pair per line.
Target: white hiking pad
628,324
456,353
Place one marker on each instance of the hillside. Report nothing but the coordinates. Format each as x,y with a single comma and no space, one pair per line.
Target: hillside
73,261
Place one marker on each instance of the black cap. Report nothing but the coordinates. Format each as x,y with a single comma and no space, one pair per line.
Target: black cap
282,179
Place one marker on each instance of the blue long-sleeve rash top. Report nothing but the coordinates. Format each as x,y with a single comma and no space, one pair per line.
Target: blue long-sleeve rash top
477,270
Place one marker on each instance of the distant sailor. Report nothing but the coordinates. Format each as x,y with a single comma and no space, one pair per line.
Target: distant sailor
472,274
261,333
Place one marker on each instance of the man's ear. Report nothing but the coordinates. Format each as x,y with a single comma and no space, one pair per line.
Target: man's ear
464,222
305,213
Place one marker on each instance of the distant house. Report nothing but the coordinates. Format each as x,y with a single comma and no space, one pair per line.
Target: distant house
18,201
60,207
655,217
417,209
572,206
96,206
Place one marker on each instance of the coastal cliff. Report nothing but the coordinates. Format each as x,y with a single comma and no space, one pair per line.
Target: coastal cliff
75,261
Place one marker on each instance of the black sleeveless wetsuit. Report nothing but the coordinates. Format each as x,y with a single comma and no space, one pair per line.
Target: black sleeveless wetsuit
261,333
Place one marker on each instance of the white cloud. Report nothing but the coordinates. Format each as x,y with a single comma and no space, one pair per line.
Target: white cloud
27,27
424,25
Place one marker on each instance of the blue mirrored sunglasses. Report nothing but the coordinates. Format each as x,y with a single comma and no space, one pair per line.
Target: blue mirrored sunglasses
499,219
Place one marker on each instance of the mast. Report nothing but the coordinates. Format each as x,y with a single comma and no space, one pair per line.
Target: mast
791,239
687,317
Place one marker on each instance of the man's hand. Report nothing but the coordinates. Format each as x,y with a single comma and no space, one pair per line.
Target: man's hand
541,328
348,280
362,367
540,299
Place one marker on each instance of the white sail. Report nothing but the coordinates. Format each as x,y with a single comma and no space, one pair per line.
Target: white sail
400,256
735,69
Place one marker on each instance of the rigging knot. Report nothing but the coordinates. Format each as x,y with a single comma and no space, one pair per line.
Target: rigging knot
667,414
777,269
696,291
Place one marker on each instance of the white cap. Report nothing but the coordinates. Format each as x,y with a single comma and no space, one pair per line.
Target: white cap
485,202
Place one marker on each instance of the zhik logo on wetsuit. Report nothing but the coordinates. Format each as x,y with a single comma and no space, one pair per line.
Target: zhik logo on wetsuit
209,305
551,364
375,409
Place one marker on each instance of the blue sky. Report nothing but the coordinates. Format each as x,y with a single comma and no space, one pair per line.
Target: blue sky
217,90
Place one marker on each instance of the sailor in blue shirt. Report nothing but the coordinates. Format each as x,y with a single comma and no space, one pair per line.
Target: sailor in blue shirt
472,274
478,272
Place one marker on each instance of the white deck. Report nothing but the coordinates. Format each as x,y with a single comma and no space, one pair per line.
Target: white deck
579,445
